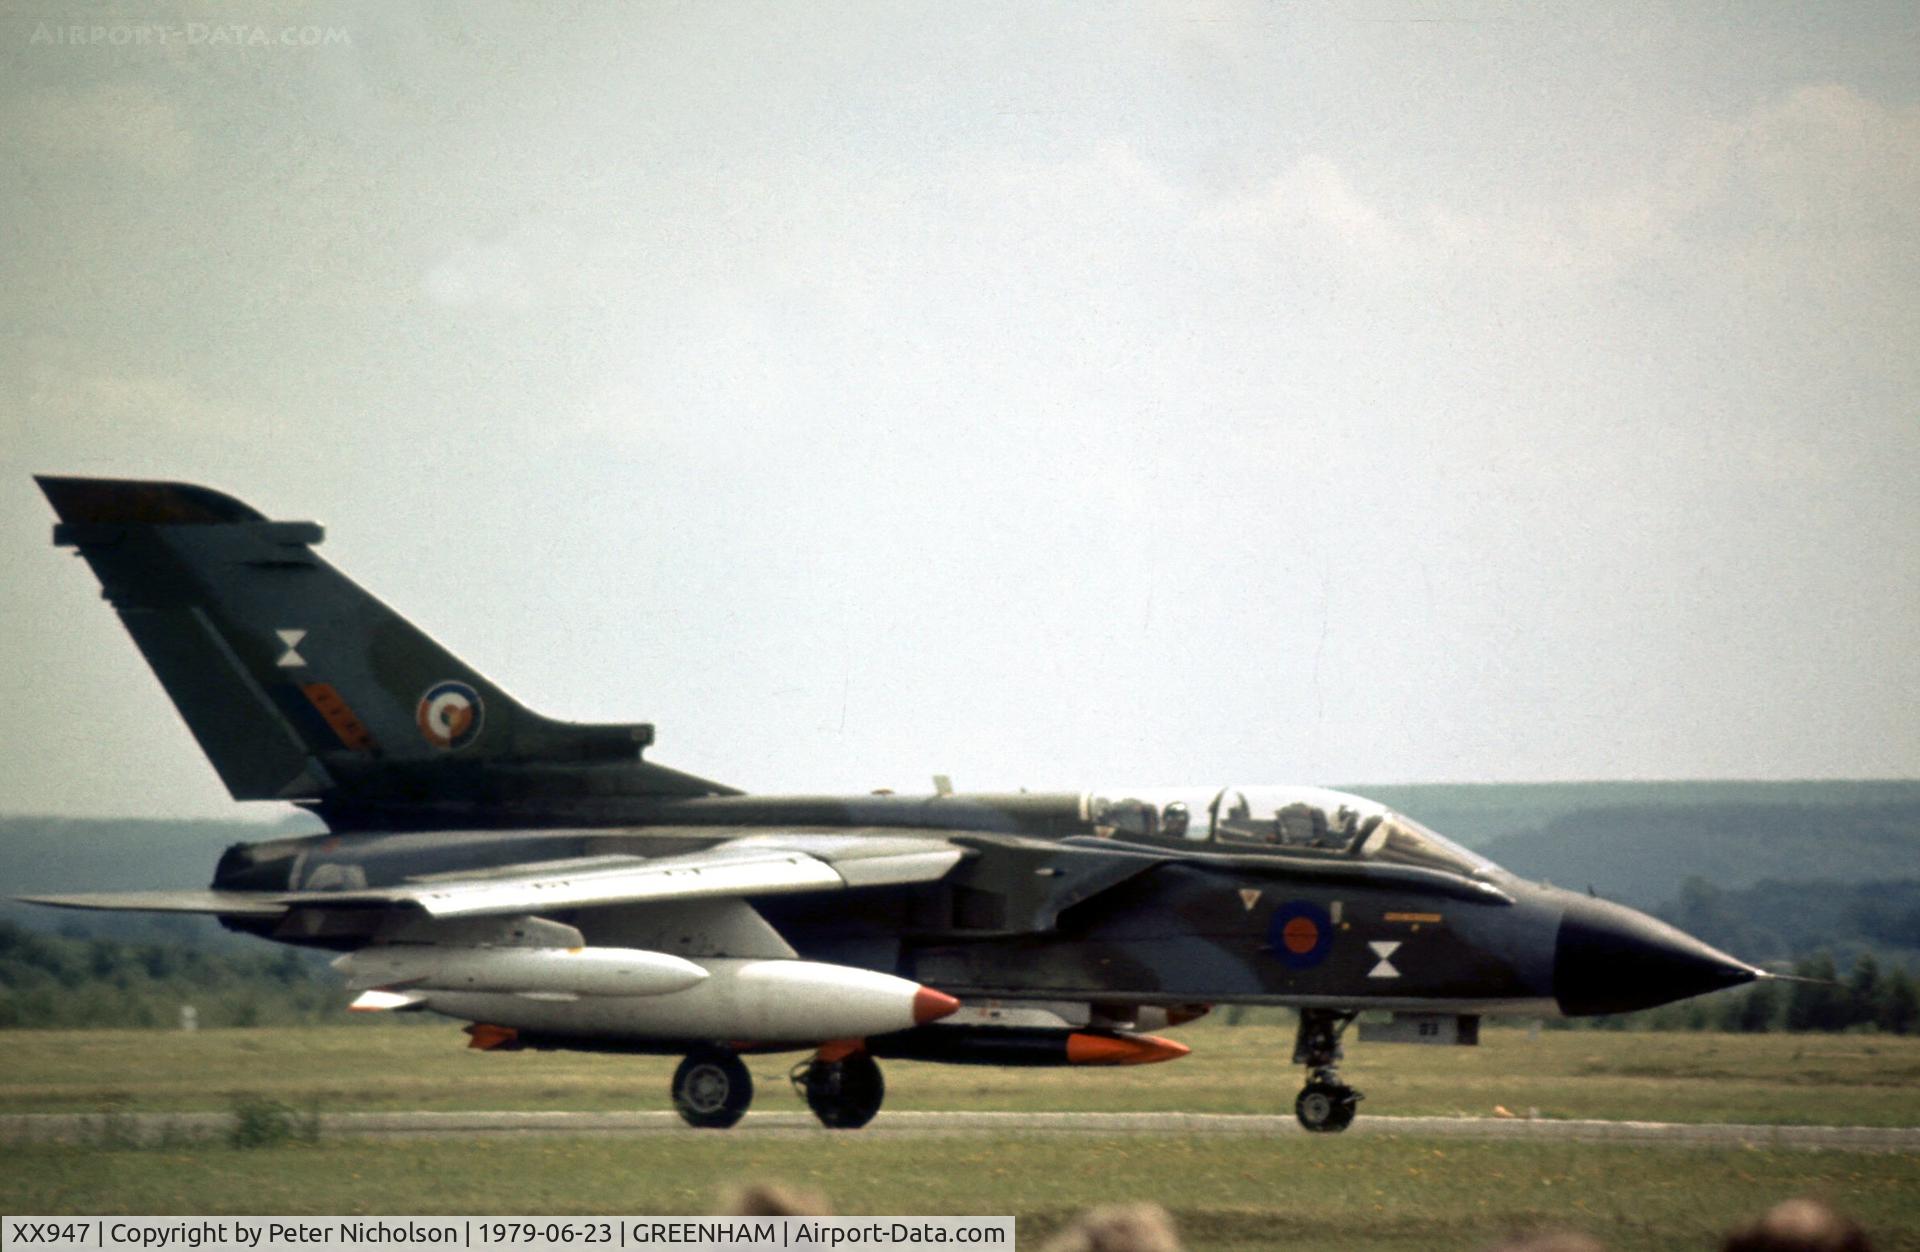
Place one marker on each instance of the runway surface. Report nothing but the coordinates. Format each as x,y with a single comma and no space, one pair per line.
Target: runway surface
124,1128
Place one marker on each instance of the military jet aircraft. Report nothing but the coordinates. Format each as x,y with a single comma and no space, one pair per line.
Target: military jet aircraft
547,883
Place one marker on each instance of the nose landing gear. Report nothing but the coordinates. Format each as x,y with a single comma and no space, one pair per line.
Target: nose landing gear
1325,1105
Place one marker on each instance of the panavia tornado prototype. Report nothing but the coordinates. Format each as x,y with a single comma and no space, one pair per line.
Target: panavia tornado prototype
548,884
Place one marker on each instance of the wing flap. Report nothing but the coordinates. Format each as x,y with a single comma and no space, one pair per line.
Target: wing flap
886,871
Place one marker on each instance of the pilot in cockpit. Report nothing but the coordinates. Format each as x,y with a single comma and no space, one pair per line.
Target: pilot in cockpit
1341,830
1174,821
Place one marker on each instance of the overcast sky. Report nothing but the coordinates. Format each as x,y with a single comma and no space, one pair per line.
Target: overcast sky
1037,393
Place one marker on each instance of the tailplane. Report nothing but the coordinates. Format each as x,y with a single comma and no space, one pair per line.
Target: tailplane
297,683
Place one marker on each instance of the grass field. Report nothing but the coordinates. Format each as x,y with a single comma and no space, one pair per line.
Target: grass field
1864,1080
1225,1193
1398,1192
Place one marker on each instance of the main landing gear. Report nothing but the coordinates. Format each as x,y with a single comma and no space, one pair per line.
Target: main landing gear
1325,1105
841,1084
712,1088
842,1087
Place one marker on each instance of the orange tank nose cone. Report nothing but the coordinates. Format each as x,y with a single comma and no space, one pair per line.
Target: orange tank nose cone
1122,1049
930,1005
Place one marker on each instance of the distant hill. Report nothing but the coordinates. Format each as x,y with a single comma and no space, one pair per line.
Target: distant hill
1779,921
1642,853
44,855
113,854
1769,871
1481,815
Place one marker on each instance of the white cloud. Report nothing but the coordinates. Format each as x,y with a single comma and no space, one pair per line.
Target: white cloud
1823,163
1829,159
512,273
67,386
1314,200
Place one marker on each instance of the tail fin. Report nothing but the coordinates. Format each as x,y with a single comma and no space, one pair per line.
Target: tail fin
297,684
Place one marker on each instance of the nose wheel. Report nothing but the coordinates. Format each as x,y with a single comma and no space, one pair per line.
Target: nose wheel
1325,1105
712,1088
844,1093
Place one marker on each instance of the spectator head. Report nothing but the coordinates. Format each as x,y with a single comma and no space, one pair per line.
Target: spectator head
1799,1226
772,1199
1118,1228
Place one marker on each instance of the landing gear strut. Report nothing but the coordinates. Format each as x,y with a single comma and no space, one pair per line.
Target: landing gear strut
1325,1105
843,1092
712,1088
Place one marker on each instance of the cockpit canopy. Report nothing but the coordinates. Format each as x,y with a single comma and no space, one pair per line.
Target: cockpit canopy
1311,821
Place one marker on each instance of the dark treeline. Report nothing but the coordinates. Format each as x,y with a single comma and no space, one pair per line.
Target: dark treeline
55,981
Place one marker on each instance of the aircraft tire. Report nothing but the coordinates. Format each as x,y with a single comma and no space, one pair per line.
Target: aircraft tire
845,1094
712,1088
1326,1108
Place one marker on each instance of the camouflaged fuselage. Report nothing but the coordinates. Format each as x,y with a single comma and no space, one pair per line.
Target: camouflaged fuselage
1041,907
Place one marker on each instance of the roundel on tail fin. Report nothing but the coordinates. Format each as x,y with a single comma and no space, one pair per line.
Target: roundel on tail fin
449,715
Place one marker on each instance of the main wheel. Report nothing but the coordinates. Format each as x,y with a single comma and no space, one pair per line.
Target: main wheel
845,1094
1326,1108
712,1088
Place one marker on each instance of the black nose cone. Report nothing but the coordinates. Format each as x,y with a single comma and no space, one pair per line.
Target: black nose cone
1611,959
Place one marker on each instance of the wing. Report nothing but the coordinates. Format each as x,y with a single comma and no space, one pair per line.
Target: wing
754,865
230,903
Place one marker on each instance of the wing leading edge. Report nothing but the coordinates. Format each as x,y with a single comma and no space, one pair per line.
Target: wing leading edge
227,903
